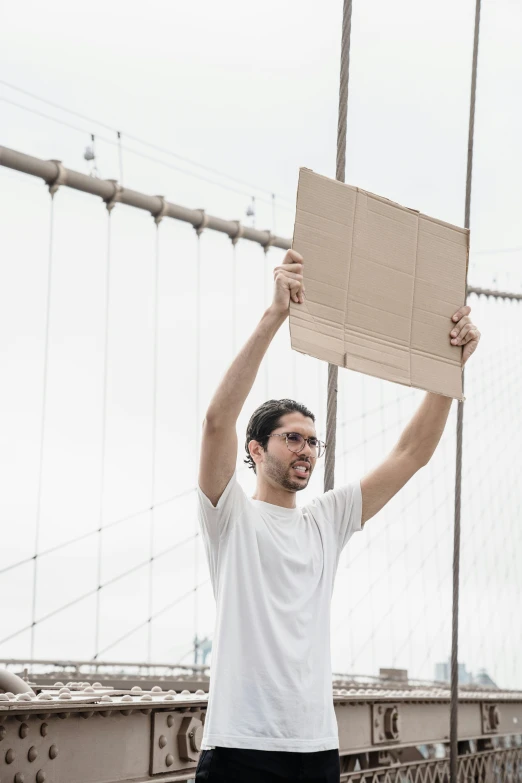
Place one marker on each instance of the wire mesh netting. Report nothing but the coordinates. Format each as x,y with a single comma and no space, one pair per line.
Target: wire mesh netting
103,556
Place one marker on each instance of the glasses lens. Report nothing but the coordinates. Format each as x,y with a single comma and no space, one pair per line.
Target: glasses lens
295,441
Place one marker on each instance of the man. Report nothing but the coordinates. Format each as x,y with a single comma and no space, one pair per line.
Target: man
270,715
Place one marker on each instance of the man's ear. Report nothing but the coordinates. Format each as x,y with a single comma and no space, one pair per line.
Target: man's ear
255,449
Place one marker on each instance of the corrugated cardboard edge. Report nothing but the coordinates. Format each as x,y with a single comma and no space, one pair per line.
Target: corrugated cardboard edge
294,305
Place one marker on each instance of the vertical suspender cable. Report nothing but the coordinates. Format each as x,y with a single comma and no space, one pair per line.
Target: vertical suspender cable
104,430
155,309
460,429
198,438
331,407
42,426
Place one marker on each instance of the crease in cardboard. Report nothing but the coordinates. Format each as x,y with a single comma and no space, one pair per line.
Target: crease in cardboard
399,288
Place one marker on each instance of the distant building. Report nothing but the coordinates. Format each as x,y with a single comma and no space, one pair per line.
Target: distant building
483,678
443,674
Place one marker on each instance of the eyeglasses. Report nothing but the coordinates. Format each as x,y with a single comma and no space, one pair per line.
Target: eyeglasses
295,442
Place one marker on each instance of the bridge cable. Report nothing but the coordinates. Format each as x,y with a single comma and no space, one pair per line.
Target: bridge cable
155,308
460,426
331,416
104,423
52,191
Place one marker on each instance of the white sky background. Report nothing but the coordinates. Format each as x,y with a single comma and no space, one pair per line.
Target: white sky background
252,93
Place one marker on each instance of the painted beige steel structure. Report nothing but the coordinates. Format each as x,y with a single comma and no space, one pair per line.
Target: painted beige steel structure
101,734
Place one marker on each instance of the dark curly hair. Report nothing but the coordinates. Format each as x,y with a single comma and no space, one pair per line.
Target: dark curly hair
266,419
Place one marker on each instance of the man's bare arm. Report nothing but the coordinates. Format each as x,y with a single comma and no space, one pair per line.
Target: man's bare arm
419,440
219,439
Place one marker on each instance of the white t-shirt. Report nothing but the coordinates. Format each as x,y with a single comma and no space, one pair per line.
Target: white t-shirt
272,571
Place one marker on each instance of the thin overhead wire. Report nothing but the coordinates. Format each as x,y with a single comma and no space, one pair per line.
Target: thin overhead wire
71,541
139,140
144,156
98,588
149,619
43,419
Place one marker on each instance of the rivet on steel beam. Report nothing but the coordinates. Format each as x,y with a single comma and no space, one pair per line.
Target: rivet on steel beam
136,689
87,714
96,685
64,715
158,216
44,728
24,730
3,732
10,756
54,184
115,196
58,684
169,761
40,776
204,223
156,689
162,741
170,721
53,752
19,777
32,754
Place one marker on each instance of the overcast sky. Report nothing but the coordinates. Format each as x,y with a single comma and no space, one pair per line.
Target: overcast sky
252,92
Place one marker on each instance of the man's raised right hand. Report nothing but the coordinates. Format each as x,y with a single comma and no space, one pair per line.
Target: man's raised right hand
288,283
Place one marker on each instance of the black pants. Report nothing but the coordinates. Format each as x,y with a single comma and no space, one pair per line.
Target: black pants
236,765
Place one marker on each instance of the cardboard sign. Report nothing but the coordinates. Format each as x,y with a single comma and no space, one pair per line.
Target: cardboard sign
382,284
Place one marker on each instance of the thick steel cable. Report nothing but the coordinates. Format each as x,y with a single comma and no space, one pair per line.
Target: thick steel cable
340,170
460,430
104,425
42,426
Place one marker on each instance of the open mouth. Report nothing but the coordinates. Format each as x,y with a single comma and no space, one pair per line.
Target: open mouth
303,471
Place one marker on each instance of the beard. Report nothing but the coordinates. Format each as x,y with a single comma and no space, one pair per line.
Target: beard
282,474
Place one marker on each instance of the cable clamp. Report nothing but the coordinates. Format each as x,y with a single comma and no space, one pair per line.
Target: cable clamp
111,201
204,223
234,238
158,216
270,241
60,179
